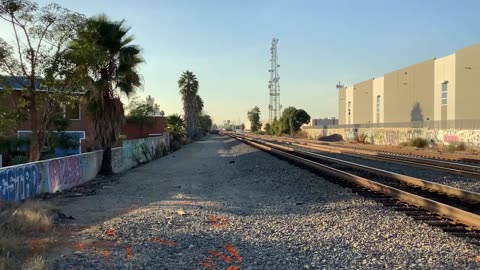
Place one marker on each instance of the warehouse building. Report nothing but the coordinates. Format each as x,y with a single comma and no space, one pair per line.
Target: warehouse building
436,90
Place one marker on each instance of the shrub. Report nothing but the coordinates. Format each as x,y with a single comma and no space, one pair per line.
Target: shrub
419,142
19,160
404,144
361,138
302,134
461,146
452,147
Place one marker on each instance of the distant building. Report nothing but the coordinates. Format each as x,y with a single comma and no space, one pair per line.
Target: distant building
323,122
156,108
434,90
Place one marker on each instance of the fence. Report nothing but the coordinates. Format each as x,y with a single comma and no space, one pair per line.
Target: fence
20,182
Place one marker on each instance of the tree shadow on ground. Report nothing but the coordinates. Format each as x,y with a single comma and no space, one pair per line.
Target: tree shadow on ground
250,193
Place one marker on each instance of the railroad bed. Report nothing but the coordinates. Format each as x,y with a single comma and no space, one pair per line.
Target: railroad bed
453,210
455,174
221,204
389,150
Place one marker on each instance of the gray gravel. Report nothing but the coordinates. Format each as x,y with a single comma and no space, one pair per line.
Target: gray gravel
462,182
278,217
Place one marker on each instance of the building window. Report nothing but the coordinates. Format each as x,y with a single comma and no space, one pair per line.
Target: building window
378,109
349,108
444,93
72,110
378,104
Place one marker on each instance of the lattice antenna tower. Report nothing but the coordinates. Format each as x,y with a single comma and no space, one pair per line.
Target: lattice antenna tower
274,107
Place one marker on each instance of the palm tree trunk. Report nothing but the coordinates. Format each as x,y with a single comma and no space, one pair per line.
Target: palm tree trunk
106,168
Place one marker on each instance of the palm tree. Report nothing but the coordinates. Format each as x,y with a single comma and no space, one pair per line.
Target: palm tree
176,128
107,64
198,112
188,85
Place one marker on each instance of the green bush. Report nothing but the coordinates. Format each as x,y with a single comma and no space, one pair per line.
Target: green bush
461,146
361,138
419,142
19,160
452,147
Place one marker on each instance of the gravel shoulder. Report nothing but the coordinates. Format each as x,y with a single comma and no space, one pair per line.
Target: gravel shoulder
220,204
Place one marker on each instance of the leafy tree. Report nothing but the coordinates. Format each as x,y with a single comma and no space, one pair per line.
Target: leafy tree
254,118
108,65
188,85
176,128
35,60
140,113
290,121
268,128
205,123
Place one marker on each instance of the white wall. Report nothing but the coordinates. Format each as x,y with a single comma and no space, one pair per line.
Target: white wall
444,71
378,90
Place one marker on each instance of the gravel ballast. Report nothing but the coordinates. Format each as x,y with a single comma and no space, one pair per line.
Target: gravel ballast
445,178
220,204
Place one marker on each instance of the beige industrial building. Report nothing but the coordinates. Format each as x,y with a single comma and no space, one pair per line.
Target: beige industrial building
446,88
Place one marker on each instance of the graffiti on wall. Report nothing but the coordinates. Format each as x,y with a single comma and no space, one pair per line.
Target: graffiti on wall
65,173
18,183
395,136
24,181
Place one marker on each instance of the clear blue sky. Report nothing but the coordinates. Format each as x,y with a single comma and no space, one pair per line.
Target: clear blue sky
226,44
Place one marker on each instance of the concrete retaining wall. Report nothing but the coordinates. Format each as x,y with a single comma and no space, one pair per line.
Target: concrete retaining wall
395,136
135,152
20,182
23,181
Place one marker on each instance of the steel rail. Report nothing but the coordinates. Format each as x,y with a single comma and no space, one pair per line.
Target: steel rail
470,219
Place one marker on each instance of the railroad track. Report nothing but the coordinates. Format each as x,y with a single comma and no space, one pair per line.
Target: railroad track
398,152
451,209
462,169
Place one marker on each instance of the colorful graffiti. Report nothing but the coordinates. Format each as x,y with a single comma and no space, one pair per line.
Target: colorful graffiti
65,173
18,183
395,136
24,181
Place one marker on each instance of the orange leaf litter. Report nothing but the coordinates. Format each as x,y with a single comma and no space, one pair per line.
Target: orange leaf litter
220,255
161,241
233,268
209,263
129,252
213,219
105,254
80,245
223,221
231,249
110,232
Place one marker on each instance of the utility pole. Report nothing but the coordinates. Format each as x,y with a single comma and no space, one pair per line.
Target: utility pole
274,107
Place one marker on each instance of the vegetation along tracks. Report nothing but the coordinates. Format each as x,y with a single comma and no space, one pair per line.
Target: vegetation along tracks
453,210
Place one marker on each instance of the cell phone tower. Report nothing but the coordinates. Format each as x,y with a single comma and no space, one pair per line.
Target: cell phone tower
274,107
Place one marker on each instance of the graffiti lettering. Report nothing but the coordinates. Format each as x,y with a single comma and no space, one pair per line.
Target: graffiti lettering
64,173
18,183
